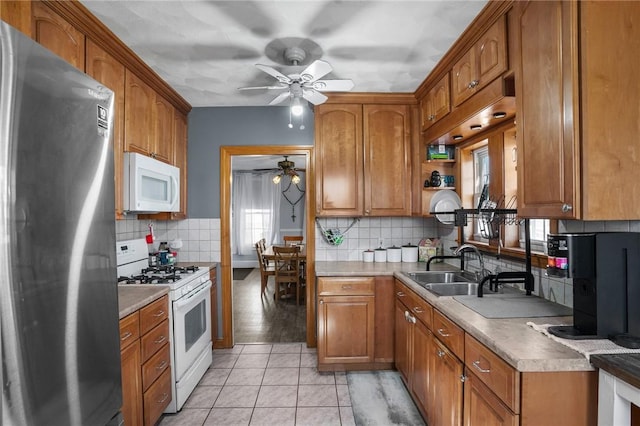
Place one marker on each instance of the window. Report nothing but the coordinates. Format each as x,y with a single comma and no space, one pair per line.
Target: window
480,184
538,230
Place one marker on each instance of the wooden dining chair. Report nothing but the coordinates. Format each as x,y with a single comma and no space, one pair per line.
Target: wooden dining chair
266,270
287,266
292,239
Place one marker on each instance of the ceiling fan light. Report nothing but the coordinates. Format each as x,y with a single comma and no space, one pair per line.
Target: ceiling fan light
295,179
296,107
276,179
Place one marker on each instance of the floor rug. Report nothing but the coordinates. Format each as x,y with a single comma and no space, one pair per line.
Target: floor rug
380,398
240,274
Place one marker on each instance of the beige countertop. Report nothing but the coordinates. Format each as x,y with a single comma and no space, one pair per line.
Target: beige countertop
518,344
132,297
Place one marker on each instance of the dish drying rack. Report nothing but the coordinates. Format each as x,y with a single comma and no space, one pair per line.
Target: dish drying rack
490,216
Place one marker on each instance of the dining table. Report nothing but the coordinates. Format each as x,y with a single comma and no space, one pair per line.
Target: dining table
269,255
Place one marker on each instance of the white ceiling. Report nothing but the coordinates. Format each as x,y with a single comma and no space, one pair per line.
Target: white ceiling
207,49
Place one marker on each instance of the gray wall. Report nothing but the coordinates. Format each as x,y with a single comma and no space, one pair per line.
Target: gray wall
210,128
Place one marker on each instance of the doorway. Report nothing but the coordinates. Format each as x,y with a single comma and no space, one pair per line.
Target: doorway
226,264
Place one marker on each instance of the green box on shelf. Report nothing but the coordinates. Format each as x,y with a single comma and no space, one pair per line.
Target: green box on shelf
440,152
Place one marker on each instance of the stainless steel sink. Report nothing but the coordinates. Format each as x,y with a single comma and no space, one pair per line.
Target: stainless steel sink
429,277
452,289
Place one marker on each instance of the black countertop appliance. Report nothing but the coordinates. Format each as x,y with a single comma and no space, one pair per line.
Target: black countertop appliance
605,268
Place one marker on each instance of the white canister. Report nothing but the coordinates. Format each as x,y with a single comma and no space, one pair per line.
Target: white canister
380,255
409,253
367,256
394,254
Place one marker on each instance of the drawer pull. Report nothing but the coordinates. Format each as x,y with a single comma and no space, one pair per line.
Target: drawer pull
161,340
322,302
159,313
164,398
162,365
418,310
400,294
440,353
476,364
125,336
410,318
443,332
347,287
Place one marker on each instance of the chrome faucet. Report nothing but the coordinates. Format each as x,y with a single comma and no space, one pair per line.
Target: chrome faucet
470,247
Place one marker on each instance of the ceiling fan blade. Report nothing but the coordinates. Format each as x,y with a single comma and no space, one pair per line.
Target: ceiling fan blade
280,98
333,85
313,96
316,70
274,73
264,87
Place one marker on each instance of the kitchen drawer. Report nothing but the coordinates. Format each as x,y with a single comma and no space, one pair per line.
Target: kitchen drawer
418,307
500,377
346,286
129,330
155,366
157,397
154,340
448,333
153,314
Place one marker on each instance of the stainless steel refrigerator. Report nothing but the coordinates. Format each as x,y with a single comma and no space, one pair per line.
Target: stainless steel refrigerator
58,283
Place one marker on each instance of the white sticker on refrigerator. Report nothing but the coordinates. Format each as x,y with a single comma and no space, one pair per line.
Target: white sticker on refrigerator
103,117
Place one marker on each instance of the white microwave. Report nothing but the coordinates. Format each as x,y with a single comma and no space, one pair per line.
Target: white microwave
150,186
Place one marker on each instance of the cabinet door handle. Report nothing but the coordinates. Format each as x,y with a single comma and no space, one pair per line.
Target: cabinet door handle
476,364
440,353
443,332
322,302
162,365
432,117
160,340
473,84
125,336
400,294
566,208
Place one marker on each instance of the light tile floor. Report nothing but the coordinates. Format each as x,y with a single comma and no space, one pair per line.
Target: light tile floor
266,384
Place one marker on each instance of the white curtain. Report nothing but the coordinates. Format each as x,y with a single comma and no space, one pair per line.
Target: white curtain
255,210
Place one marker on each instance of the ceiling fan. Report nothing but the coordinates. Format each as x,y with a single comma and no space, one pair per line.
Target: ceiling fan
287,168
305,85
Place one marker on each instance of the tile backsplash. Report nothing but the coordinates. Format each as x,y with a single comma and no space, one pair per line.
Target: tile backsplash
200,237
370,233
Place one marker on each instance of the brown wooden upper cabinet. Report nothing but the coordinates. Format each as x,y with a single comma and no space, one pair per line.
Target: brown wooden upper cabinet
436,103
577,123
362,160
58,35
108,71
482,63
148,120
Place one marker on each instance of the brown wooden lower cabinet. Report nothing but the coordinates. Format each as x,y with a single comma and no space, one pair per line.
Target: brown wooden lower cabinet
454,379
482,407
146,363
355,323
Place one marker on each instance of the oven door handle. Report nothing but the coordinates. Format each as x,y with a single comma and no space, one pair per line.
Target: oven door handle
186,300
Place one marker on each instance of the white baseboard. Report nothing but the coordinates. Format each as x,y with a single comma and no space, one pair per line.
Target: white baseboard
245,263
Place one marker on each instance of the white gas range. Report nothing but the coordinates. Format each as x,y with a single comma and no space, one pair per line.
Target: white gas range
190,313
